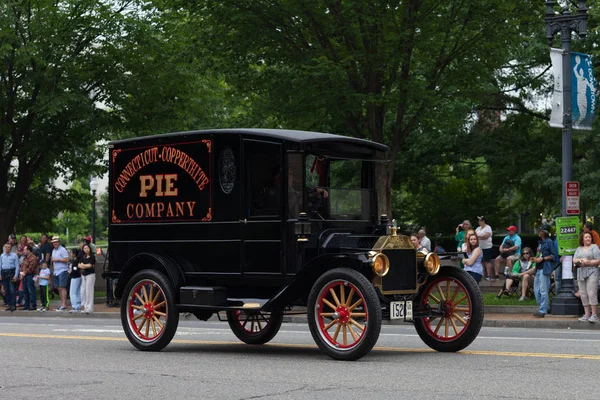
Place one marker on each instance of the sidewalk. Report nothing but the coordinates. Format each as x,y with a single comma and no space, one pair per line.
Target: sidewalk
495,316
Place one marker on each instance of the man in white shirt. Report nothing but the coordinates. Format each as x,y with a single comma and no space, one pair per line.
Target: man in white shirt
484,234
60,257
424,240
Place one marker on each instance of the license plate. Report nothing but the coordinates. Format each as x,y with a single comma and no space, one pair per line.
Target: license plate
401,310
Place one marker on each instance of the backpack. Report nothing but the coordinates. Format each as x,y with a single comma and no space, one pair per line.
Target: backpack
508,243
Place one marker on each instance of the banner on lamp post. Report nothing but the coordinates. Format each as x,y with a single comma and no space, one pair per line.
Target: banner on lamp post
584,97
556,118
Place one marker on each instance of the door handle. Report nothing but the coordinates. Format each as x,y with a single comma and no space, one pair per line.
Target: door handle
244,221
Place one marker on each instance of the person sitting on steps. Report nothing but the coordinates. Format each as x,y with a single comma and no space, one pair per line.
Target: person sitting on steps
523,269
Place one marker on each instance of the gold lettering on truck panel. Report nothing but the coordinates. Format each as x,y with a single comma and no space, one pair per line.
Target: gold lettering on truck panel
170,189
150,210
146,183
191,205
159,186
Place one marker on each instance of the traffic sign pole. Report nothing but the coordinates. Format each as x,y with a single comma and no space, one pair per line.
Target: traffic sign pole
567,230
572,198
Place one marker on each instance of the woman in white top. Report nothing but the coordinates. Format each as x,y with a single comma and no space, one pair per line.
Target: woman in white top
484,234
587,259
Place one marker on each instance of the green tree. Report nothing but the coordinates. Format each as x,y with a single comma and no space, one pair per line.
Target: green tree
407,74
76,223
76,72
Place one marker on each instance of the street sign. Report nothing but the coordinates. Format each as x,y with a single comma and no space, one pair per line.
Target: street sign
567,234
572,198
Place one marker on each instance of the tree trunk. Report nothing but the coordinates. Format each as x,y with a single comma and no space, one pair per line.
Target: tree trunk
6,225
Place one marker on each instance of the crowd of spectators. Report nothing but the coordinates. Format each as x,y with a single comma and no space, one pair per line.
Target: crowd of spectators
531,268
49,265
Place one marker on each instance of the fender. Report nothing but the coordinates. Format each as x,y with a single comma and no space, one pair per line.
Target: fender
142,261
310,272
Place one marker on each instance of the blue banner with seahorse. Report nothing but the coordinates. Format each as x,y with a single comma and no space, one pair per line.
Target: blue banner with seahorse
584,98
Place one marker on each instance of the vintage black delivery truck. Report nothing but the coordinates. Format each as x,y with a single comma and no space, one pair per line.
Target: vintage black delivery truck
253,222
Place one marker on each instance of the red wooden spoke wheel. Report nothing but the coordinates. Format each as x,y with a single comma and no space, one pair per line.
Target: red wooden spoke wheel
455,309
253,326
341,315
148,311
344,314
451,297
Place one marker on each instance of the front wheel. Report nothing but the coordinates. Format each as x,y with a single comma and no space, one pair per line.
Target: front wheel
344,314
454,305
254,327
148,312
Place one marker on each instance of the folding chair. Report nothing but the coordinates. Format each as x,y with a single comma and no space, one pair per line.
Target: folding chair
514,288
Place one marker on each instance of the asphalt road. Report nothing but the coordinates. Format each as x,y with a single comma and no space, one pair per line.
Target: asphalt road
52,358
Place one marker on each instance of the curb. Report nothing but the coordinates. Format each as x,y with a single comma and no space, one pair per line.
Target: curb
510,309
60,314
542,323
491,320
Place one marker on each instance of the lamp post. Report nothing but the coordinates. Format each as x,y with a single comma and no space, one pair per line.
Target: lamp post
94,187
564,303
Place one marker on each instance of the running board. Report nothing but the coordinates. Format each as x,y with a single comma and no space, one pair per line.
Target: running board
214,298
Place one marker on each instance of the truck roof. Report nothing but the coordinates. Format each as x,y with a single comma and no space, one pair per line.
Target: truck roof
282,134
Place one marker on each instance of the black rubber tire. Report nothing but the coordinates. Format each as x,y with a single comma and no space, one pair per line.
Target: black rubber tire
172,321
268,332
373,308
476,312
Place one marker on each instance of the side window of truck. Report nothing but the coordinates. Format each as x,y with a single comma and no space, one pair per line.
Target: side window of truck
264,178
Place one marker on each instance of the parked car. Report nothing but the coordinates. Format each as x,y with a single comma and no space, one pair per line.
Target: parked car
252,222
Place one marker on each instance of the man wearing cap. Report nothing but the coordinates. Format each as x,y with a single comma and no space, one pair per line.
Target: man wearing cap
60,257
545,262
9,273
484,234
510,250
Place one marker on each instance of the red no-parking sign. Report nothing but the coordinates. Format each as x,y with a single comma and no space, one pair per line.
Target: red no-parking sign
572,198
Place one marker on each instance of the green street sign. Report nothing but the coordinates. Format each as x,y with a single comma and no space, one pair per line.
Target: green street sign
567,233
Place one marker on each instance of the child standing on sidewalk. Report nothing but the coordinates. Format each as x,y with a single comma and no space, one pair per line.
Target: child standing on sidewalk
44,279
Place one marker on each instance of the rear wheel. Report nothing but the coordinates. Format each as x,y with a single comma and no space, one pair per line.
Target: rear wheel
344,314
148,312
455,306
254,327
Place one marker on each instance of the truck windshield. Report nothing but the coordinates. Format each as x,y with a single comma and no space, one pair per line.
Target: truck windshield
335,189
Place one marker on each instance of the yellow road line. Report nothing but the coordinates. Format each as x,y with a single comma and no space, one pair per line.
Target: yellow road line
311,346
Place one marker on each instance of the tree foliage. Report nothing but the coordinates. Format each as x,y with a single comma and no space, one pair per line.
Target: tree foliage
74,73
452,87
414,75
